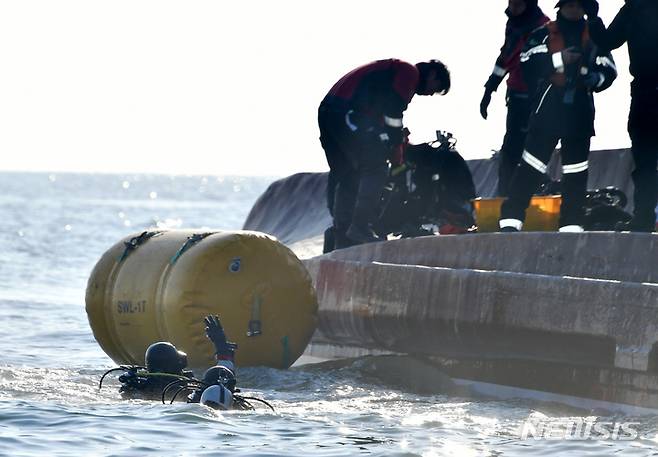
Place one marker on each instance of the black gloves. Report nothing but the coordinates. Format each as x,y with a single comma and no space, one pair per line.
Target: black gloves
484,104
593,79
591,8
393,136
215,333
490,87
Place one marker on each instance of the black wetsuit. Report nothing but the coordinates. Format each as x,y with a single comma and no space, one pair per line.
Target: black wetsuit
148,387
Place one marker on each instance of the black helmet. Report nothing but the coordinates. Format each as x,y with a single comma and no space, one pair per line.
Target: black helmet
220,375
163,357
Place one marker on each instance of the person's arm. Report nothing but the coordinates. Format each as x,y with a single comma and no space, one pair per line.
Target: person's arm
404,84
224,350
499,71
602,73
536,61
616,34
497,75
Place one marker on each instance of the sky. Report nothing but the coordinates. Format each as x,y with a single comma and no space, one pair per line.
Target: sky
221,87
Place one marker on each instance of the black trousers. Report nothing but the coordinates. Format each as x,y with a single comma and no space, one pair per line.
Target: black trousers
518,112
357,170
531,171
643,129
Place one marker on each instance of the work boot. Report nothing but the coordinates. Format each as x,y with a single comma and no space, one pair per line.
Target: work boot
361,234
635,225
510,225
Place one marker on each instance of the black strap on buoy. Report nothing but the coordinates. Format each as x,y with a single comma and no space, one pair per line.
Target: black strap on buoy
191,241
136,242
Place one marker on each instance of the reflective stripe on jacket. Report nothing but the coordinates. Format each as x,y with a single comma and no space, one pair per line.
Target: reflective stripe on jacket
556,44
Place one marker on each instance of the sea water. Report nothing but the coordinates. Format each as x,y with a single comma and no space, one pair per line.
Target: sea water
54,227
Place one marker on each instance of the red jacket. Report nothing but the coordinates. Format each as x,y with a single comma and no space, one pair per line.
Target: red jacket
516,33
379,90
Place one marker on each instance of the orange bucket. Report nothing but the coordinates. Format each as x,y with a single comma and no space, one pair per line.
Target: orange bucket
541,216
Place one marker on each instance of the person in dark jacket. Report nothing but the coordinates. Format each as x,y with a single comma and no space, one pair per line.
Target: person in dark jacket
563,68
524,17
637,25
360,122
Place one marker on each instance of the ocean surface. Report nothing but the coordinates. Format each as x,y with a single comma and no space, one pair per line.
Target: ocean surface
54,227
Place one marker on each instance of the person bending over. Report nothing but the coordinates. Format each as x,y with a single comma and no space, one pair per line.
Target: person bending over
360,122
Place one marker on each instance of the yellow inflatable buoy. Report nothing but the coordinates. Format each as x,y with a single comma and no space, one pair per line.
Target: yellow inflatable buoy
158,286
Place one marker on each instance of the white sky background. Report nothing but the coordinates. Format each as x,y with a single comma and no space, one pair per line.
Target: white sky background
232,87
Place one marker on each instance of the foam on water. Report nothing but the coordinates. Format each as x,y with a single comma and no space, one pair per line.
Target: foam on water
55,227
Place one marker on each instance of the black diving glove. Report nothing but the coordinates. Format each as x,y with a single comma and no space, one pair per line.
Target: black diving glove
215,333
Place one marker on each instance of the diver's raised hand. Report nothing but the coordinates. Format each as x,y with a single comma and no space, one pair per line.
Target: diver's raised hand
214,330
215,333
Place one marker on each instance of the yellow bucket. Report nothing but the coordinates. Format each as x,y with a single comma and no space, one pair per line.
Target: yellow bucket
158,286
542,215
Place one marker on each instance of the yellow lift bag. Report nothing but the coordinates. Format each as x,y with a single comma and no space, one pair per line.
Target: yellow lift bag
158,286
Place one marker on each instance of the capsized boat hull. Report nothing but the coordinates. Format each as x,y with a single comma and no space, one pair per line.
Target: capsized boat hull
571,314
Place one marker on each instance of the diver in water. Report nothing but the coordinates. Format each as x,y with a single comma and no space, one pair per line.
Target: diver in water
217,389
219,381
164,363
165,368
165,371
